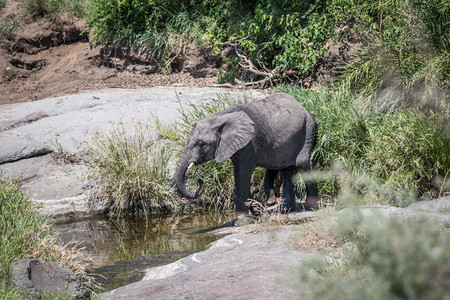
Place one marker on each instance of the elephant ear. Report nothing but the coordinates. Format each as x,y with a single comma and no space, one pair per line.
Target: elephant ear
235,133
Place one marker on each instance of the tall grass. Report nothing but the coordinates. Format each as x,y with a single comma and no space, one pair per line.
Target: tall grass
23,231
386,258
77,8
406,147
131,172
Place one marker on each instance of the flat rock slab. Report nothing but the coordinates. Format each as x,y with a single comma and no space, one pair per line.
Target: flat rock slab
30,132
239,266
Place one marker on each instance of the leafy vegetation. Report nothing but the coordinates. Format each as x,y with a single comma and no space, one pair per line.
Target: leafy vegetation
385,259
406,41
406,147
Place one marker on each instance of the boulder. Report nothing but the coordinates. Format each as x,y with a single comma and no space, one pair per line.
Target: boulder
39,277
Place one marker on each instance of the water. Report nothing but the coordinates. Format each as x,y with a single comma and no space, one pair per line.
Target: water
121,250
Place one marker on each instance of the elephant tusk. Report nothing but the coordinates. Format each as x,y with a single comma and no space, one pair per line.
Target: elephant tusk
190,166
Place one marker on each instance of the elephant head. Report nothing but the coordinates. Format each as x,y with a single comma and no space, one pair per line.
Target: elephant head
218,136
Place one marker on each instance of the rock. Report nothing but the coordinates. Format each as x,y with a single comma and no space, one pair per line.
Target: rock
39,277
240,266
437,210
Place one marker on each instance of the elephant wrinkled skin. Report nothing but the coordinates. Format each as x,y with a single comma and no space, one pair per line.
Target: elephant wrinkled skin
276,133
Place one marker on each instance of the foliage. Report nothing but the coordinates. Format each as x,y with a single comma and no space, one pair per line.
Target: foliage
289,35
408,46
406,147
406,40
10,25
390,259
131,172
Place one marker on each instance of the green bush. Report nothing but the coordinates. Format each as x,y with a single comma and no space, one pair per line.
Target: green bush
406,147
289,35
390,259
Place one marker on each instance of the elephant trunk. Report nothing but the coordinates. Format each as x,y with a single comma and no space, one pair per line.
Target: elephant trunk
180,179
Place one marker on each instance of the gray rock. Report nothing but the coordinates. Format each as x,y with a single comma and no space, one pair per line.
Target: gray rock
437,210
39,277
238,266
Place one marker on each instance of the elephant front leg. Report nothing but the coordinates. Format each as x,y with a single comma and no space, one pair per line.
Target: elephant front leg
288,188
243,170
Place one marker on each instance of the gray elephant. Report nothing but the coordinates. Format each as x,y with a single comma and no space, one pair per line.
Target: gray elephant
276,133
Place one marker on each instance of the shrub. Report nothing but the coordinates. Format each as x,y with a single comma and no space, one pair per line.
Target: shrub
405,147
289,35
131,172
391,259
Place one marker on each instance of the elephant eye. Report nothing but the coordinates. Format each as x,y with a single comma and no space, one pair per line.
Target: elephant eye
200,144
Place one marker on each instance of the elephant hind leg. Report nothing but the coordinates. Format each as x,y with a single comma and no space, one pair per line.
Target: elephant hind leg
288,196
312,192
269,186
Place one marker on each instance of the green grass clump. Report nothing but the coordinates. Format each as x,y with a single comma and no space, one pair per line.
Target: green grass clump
131,172
388,259
405,147
77,8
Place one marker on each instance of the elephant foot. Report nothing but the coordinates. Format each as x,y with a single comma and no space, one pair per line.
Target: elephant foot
244,219
272,200
312,203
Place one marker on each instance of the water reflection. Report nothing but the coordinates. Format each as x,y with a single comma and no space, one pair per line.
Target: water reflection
122,249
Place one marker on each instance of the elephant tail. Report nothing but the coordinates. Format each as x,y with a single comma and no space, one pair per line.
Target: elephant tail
314,162
315,134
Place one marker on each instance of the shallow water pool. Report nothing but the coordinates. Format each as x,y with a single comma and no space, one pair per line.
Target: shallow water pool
120,251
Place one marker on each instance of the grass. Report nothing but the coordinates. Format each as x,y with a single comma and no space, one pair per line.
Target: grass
10,25
131,172
75,8
26,233
384,258
404,147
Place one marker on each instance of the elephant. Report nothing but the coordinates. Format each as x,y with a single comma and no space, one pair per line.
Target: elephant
276,133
